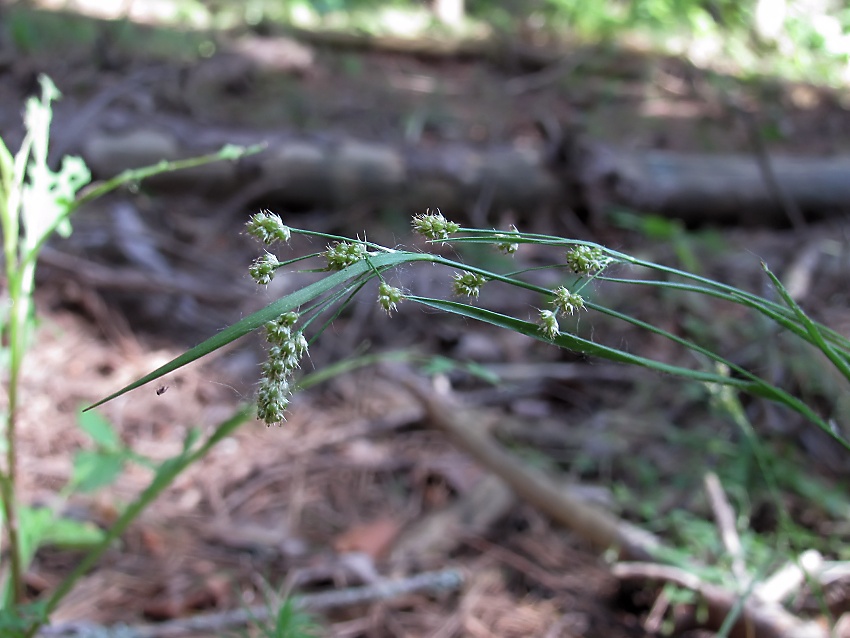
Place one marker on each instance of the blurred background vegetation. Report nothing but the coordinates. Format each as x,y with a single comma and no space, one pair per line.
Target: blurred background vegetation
806,40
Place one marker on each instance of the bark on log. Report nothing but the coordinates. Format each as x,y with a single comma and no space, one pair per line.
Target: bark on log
699,188
337,172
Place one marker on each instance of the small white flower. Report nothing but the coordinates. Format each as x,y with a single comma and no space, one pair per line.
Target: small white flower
566,301
548,322
468,283
389,297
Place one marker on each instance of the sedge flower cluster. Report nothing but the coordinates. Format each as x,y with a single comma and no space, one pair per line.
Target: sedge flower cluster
288,347
565,302
434,226
587,260
267,228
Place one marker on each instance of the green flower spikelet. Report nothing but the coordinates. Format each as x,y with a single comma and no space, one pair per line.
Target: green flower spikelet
433,225
548,322
468,283
389,297
282,360
587,260
343,254
263,269
566,301
507,245
268,227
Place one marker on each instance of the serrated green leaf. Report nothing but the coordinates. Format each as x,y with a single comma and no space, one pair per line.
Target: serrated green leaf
99,429
96,469
67,533
42,526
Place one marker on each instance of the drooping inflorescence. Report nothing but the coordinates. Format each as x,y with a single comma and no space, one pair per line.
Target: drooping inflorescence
288,347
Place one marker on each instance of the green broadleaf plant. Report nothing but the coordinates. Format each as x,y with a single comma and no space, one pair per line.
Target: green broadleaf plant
35,203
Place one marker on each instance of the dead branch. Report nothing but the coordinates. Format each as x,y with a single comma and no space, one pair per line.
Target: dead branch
601,529
338,172
436,535
428,582
724,516
757,618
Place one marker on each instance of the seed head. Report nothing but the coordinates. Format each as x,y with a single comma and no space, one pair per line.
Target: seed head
587,260
389,297
434,225
342,254
468,283
272,400
566,301
263,269
268,227
548,322
283,359
507,246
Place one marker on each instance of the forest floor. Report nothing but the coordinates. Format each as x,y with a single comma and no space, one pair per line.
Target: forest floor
318,503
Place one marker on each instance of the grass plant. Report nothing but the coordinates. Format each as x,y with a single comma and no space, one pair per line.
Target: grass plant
350,265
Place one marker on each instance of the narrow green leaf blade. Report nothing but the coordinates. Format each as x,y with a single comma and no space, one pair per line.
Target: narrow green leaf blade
812,329
572,342
751,384
270,312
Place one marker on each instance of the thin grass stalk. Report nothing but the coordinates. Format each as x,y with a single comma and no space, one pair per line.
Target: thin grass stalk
21,299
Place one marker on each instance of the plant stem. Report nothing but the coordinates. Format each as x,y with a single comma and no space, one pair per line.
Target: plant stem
21,301
165,476
7,493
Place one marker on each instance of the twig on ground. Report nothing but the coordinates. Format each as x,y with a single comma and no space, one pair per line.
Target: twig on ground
523,565
439,581
799,275
68,136
594,525
545,76
765,620
438,533
655,617
790,577
724,516
132,279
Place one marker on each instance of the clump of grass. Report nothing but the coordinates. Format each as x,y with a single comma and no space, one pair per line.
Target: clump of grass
351,264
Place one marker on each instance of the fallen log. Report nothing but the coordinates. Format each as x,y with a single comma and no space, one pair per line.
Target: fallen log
729,188
333,171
